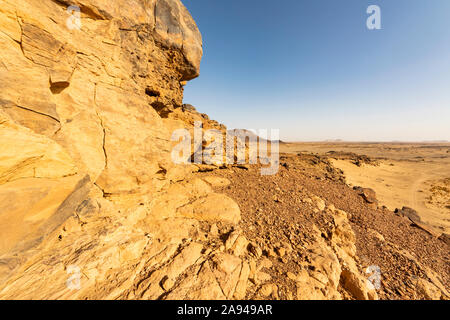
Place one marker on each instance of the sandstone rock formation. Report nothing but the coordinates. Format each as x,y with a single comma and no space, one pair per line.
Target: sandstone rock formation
368,195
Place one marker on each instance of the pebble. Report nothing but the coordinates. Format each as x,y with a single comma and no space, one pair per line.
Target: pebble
281,252
168,284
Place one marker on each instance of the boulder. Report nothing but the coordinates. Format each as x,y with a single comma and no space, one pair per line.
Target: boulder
213,208
368,195
409,213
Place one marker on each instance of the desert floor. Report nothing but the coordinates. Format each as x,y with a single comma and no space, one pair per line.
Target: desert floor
413,175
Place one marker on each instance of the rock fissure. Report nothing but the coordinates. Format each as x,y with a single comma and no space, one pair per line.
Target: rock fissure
103,128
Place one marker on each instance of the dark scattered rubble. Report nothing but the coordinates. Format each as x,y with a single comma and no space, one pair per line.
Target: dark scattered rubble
356,159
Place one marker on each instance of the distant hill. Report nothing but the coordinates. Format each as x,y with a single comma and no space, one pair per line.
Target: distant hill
334,140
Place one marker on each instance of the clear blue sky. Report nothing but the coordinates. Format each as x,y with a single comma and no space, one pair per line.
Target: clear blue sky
312,69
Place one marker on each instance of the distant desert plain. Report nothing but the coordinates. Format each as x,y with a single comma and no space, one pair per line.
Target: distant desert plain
414,175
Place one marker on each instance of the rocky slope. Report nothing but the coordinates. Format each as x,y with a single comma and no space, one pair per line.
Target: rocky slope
311,227
88,190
